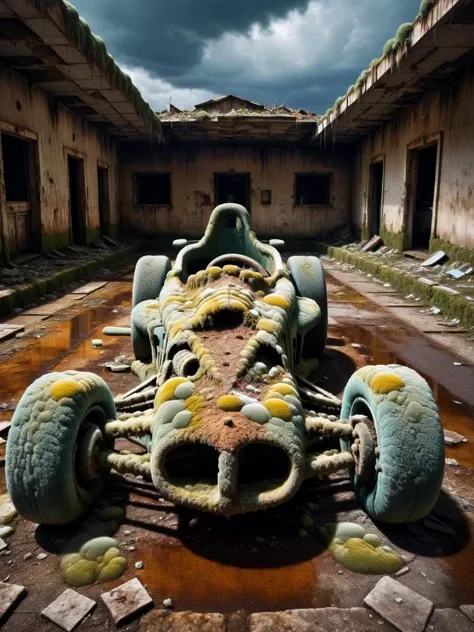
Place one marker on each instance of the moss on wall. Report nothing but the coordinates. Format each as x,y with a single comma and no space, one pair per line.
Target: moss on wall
392,240
56,240
455,253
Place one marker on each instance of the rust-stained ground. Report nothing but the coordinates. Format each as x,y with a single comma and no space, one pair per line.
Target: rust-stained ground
256,562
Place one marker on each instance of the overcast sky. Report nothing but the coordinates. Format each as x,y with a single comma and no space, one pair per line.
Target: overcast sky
301,52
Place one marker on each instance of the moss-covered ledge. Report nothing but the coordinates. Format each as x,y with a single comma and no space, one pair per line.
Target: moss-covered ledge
455,253
21,295
451,305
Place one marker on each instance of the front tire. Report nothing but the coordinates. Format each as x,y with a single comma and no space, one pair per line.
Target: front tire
307,275
52,459
398,442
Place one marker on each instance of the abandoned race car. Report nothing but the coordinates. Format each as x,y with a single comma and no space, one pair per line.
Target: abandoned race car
226,417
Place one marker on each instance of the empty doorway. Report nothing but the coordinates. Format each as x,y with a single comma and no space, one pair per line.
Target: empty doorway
21,196
423,165
232,187
104,199
77,201
375,197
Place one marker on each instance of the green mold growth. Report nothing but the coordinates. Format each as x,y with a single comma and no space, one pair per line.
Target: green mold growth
359,551
202,115
338,101
455,253
362,79
351,89
390,46
404,33
425,8
88,561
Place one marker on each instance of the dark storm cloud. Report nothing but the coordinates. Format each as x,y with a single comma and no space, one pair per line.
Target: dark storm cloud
168,37
303,52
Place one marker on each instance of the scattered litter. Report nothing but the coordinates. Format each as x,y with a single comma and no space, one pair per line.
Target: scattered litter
131,548
127,600
97,342
451,462
356,345
117,367
387,285
69,609
459,271
139,565
455,401
402,571
458,363
453,438
435,310
41,556
167,603
372,244
435,258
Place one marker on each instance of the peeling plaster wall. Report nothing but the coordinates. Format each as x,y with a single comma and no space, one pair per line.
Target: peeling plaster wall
27,110
192,171
449,113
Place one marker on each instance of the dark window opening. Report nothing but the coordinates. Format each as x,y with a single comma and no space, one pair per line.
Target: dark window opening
232,187
376,194
153,188
77,200
313,189
15,168
425,189
104,199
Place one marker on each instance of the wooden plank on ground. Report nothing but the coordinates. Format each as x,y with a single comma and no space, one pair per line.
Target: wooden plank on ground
89,287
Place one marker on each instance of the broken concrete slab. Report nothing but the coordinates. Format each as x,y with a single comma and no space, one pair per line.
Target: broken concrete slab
69,609
450,620
400,606
162,620
468,611
10,594
10,331
318,620
89,287
127,600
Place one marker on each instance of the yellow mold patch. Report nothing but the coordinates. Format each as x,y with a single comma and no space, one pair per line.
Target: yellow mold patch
166,392
98,560
360,556
66,388
278,408
285,389
232,270
172,299
214,272
268,325
383,383
154,305
276,301
230,403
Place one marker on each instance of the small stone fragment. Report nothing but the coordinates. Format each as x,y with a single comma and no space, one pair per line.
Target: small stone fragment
167,603
5,530
451,462
127,600
453,438
402,571
131,548
27,556
3,544
41,556
97,342
139,565
69,609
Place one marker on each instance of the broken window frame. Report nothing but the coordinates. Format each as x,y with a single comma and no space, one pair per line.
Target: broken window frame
327,199
138,194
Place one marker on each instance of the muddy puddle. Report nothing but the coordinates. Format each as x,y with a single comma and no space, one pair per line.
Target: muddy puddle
260,562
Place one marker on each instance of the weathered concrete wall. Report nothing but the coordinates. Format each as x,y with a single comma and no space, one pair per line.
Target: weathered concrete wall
27,111
192,188
447,112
